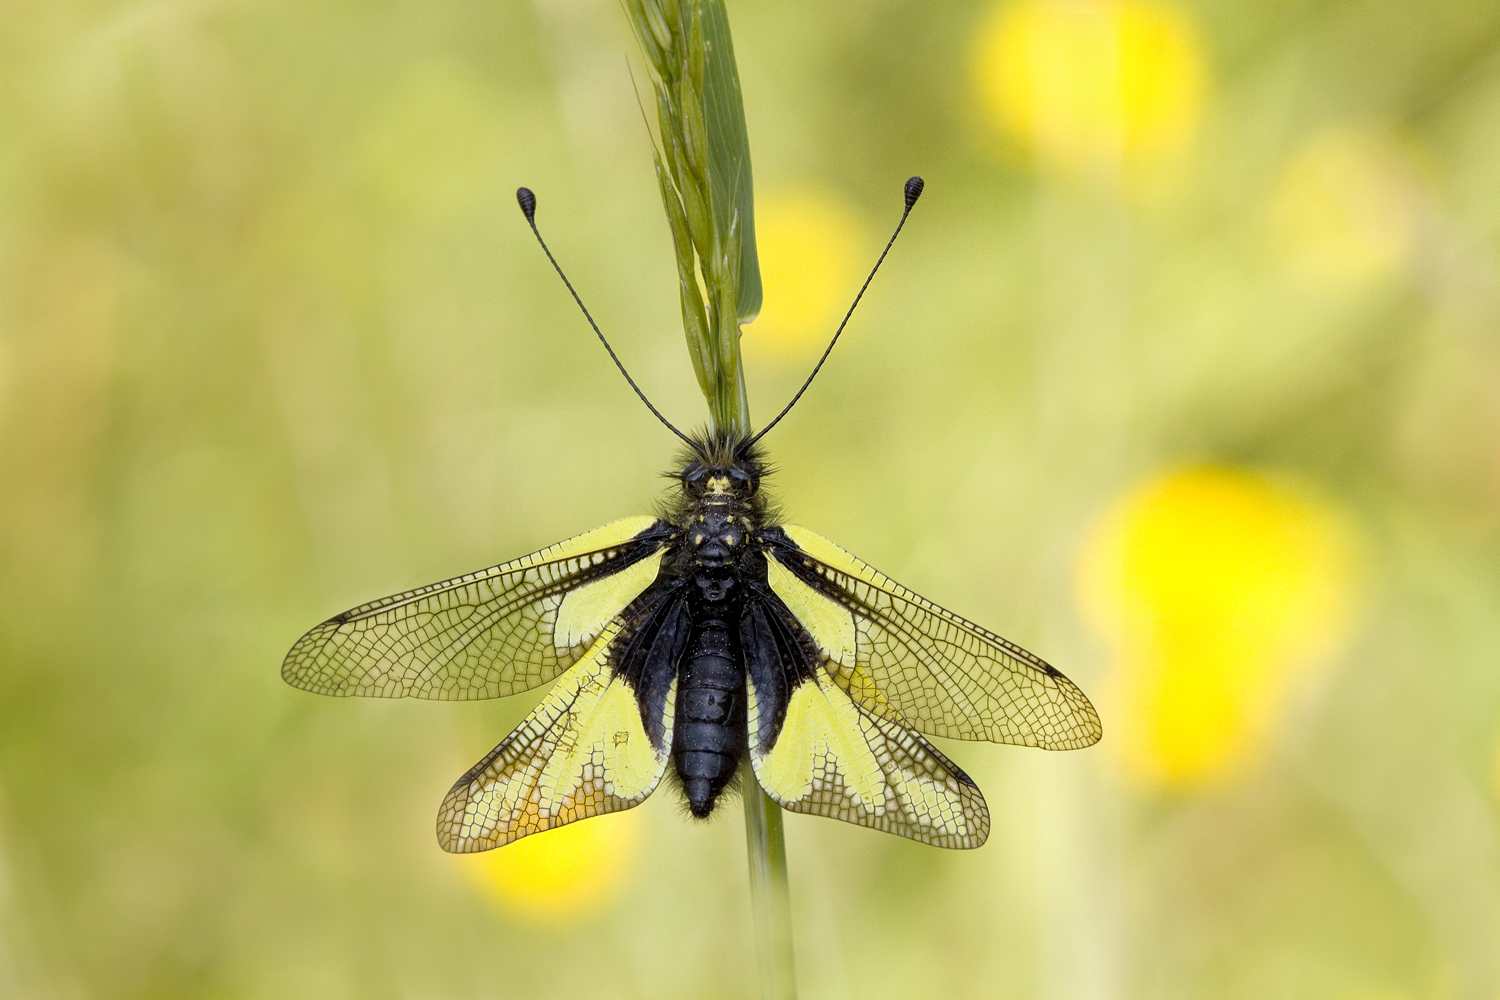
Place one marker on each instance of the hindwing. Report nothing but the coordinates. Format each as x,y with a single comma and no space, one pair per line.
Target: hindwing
488,634
815,750
598,742
592,746
901,658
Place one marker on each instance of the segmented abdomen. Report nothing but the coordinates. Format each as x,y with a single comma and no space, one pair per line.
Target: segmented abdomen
709,736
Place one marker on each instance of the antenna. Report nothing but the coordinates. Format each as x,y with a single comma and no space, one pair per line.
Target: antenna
527,201
914,187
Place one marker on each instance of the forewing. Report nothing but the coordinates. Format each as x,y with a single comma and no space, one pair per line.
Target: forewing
901,657
583,751
488,634
830,757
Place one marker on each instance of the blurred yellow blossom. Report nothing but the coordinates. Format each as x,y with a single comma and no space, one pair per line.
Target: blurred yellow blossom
1090,83
1344,208
1219,590
568,873
810,245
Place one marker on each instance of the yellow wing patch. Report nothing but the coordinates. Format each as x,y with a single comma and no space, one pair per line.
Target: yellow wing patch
831,624
585,610
581,752
486,634
919,663
831,758
820,731
818,547
603,537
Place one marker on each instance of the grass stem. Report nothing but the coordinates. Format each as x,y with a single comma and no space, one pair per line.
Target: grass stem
770,896
703,172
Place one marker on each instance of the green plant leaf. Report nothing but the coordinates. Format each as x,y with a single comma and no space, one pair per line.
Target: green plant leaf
729,176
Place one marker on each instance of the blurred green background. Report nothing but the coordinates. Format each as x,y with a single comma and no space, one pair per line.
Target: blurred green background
1185,374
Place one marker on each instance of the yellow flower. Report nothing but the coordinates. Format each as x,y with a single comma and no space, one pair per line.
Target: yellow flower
809,242
561,875
1219,590
1089,84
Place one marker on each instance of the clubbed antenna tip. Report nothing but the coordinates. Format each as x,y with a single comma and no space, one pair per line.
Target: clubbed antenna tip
914,187
527,200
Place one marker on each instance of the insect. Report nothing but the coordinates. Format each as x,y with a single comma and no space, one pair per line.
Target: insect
689,641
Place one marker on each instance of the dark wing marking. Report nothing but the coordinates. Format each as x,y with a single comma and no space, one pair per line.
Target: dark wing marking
919,663
815,750
585,750
779,654
650,647
483,635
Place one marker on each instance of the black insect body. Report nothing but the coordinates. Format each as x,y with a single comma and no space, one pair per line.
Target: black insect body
718,521
693,640
697,638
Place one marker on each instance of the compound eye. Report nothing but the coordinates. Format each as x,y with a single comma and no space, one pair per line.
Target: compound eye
738,474
694,473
